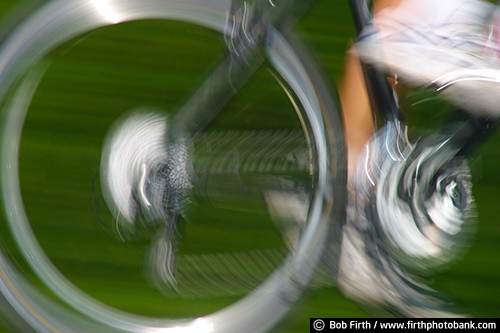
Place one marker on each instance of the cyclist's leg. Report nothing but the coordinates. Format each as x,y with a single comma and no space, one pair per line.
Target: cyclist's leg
363,250
358,118
357,112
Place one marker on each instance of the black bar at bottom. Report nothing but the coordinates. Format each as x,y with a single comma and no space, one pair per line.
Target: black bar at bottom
338,324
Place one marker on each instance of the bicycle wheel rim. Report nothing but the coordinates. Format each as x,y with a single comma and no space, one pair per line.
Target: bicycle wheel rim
278,293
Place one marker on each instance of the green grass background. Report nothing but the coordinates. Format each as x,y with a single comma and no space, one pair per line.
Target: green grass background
95,78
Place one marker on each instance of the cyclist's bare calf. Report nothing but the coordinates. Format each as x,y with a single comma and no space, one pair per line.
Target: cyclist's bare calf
357,113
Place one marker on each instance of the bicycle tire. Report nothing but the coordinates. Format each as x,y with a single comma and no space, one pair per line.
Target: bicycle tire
60,20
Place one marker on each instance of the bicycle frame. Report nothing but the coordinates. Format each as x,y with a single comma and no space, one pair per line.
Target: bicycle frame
243,57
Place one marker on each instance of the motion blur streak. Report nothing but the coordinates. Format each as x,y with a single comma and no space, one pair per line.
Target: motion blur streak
107,11
411,184
129,143
221,274
199,326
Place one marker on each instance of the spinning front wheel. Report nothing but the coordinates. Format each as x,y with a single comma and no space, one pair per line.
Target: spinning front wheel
248,168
